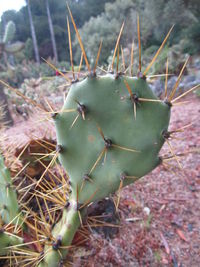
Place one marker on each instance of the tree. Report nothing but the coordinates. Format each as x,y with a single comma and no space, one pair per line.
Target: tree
35,45
106,26
53,41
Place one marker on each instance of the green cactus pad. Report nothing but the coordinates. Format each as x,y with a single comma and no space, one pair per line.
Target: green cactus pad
9,208
104,103
6,240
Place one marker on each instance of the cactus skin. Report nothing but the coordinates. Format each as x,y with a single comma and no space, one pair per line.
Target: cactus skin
9,32
64,233
7,240
109,106
9,208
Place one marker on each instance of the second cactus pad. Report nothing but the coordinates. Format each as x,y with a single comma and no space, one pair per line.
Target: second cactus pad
109,132
9,209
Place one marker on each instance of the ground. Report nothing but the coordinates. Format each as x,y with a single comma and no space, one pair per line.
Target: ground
159,214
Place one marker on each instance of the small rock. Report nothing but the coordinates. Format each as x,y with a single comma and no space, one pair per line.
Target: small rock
147,211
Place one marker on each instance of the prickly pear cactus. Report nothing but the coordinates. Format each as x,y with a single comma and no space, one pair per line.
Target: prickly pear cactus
9,210
9,32
102,140
109,134
8,198
5,41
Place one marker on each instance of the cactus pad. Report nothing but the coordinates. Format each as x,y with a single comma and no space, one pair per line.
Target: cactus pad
101,142
8,198
9,32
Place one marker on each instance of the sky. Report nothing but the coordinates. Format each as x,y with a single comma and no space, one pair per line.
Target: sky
10,4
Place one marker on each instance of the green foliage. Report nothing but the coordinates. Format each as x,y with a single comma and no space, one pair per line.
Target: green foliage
108,25
82,10
157,16
156,19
